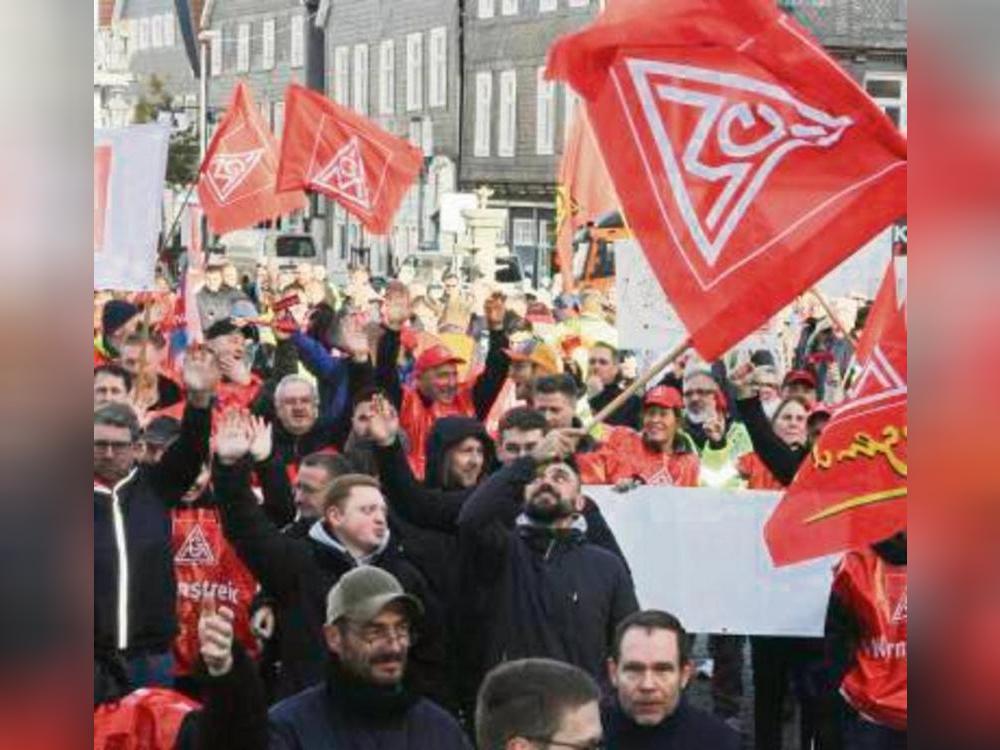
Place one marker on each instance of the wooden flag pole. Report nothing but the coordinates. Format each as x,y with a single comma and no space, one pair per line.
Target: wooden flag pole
658,367
834,318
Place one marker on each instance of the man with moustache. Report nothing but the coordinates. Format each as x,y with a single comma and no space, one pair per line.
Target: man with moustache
523,543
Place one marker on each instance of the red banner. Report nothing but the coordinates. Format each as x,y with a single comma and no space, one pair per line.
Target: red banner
748,163
236,187
206,565
851,491
339,153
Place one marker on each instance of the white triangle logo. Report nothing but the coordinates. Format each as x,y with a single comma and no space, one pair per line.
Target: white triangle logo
743,129
899,614
226,172
877,382
195,550
344,175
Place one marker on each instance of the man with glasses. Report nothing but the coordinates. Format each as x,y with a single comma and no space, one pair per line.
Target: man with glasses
363,700
649,668
605,384
537,704
134,585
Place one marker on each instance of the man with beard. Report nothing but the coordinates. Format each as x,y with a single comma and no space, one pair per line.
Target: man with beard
364,700
649,668
523,543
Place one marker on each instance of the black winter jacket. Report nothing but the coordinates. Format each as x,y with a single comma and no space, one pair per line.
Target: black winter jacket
554,593
298,572
134,604
687,728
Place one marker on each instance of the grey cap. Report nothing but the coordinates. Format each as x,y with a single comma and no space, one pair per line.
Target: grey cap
364,592
162,430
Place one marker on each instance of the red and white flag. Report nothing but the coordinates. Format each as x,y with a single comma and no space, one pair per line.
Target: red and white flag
332,150
748,162
236,187
851,491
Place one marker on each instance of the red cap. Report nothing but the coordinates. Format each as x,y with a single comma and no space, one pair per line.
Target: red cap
435,356
665,396
820,408
800,376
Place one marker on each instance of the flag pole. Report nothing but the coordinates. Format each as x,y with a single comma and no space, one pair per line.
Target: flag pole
658,367
834,318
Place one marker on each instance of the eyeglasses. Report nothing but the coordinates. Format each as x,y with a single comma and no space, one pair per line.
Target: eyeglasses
598,362
115,446
372,635
698,392
589,745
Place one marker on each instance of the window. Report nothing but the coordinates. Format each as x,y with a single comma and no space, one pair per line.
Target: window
577,3
484,97
437,86
143,33
486,8
507,136
414,71
524,232
278,118
508,7
360,87
889,92
215,44
156,31
243,48
169,30
341,75
543,233
570,102
545,111
544,6
267,48
297,51
386,77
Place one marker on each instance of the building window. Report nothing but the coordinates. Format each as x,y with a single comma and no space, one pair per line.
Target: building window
414,71
524,232
507,137
143,33
386,77
267,47
156,32
243,48
169,30
545,111
508,7
278,117
437,86
484,102
297,51
360,98
216,48
342,75
889,92
544,6
486,8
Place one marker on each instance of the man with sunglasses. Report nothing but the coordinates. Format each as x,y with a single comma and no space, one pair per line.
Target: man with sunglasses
364,700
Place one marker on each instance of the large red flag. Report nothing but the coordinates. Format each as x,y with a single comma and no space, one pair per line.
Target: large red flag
748,163
852,490
236,187
585,190
337,152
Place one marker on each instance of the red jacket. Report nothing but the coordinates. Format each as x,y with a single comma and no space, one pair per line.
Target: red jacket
758,476
875,592
624,455
146,719
416,419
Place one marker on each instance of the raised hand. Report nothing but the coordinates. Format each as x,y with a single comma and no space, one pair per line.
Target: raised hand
201,375
233,437
743,381
354,339
215,637
261,438
384,424
557,445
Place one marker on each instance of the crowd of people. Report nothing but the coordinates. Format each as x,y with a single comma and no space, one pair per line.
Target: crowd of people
336,516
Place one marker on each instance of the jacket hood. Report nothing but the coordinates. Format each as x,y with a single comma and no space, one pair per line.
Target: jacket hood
318,533
448,432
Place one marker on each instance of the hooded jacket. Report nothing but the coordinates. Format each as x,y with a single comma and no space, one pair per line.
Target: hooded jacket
299,571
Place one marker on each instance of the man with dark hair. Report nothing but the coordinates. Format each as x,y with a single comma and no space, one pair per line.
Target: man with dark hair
363,699
605,384
158,435
649,667
112,385
555,397
531,704
521,429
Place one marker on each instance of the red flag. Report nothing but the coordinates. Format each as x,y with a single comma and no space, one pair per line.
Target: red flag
236,187
337,152
852,490
585,190
748,162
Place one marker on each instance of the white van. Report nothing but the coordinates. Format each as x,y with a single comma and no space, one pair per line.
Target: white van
245,248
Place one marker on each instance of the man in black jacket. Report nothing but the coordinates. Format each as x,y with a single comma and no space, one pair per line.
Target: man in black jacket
523,545
298,572
605,384
649,668
134,603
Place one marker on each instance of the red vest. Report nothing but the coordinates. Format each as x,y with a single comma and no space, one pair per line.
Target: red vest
758,476
875,592
624,455
145,719
205,563
416,420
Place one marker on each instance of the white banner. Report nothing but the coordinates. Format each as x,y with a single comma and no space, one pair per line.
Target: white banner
130,165
699,553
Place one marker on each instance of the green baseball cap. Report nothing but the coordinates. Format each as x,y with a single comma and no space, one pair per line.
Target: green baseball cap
364,592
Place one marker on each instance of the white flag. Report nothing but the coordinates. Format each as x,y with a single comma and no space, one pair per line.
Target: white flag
130,167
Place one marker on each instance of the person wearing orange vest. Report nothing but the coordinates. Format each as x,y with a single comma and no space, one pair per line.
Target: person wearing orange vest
866,644
658,455
437,391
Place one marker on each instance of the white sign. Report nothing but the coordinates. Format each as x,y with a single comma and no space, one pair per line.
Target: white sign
699,553
130,165
646,320
452,205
